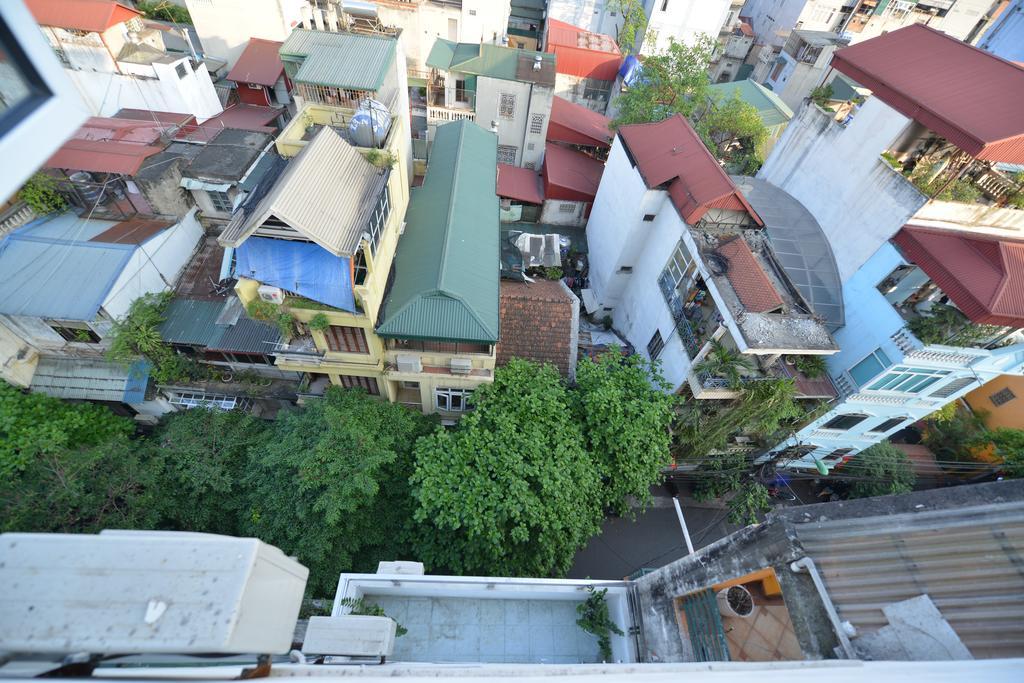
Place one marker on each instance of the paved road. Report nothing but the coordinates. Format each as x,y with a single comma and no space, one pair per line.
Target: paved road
652,540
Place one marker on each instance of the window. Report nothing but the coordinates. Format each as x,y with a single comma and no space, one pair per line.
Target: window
655,346
359,269
451,400
356,382
379,219
886,425
844,422
472,12
836,455
181,70
437,346
567,207
908,380
216,401
626,269
675,278
507,154
866,370
953,387
594,89
1002,397
664,5
648,217
507,106
537,123
75,332
779,66
221,201
346,339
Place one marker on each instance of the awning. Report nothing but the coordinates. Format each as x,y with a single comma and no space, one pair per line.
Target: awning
194,184
91,379
521,184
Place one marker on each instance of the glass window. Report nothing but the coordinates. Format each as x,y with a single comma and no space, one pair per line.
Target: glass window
216,401
886,425
908,380
379,219
675,279
21,88
655,346
866,370
844,422
452,400
221,200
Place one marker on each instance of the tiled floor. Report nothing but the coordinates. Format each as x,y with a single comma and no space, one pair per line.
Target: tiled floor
765,636
472,630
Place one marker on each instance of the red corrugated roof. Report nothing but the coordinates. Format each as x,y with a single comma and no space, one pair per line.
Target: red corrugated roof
982,274
670,152
241,116
579,52
971,97
519,183
570,175
260,63
107,145
747,277
81,15
574,124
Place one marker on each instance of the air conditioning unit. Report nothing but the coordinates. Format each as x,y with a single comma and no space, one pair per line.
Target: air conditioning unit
461,366
273,295
408,363
350,635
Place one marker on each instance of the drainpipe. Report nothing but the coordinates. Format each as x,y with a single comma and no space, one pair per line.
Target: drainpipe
806,565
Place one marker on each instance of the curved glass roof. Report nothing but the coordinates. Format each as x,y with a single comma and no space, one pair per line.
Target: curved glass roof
800,246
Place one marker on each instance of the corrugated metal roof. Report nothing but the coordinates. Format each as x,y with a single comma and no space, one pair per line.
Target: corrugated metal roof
82,15
248,336
574,124
327,193
982,274
191,322
966,559
518,183
91,379
259,63
109,145
971,97
570,175
671,151
747,277
494,61
447,265
340,60
133,231
771,109
582,53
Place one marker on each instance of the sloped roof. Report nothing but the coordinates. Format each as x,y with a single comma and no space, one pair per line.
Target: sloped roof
192,322
574,124
109,145
82,15
132,231
326,192
579,52
570,175
770,108
340,60
522,184
982,274
447,265
747,277
671,152
259,63
971,97
536,323
494,61
91,379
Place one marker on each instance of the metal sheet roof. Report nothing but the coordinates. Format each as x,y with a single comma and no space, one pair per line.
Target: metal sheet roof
91,379
132,231
518,183
110,145
770,108
971,97
582,53
259,63
982,274
574,124
327,193
671,151
494,61
82,15
218,325
340,60
570,175
447,265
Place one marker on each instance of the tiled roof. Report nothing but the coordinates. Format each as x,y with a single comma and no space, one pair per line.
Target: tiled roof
570,175
970,97
748,279
574,124
536,323
260,63
671,152
81,15
982,274
522,184
340,60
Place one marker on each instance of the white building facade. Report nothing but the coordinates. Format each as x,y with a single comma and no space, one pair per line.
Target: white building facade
682,21
225,26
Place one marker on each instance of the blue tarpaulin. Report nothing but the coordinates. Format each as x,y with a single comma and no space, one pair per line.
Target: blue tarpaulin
630,70
301,267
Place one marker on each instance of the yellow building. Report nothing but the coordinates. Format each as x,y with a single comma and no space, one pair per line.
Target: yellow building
1001,400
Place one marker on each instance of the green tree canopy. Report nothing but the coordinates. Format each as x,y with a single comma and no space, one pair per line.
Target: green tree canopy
329,486
625,412
510,491
1009,445
733,130
886,470
634,23
32,425
674,82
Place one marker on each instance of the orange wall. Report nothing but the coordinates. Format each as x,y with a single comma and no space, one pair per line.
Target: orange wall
1010,414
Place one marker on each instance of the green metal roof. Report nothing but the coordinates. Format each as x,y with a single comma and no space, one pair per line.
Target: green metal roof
479,59
844,89
447,265
340,60
192,322
772,109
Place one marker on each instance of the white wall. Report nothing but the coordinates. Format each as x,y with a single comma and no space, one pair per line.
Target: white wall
551,212
225,26
682,21
1005,37
773,20
530,99
155,265
838,175
82,52
592,15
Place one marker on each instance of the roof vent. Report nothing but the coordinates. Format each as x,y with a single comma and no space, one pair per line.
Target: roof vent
537,62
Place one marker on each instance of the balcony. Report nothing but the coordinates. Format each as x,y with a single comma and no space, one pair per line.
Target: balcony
450,104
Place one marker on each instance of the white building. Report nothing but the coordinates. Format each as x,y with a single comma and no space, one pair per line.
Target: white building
800,66
1005,37
225,26
682,21
735,39
596,16
890,376
680,257
116,62
500,88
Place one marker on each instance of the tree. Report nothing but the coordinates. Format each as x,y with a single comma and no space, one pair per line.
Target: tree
34,425
634,21
885,470
751,500
673,82
40,192
164,10
625,412
330,484
733,130
109,485
728,364
205,453
137,335
1009,446
510,491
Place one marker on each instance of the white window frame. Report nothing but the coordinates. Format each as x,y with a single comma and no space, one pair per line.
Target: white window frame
906,379
379,219
451,400
189,400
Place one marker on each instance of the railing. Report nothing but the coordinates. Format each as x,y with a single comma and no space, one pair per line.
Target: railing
15,216
445,114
